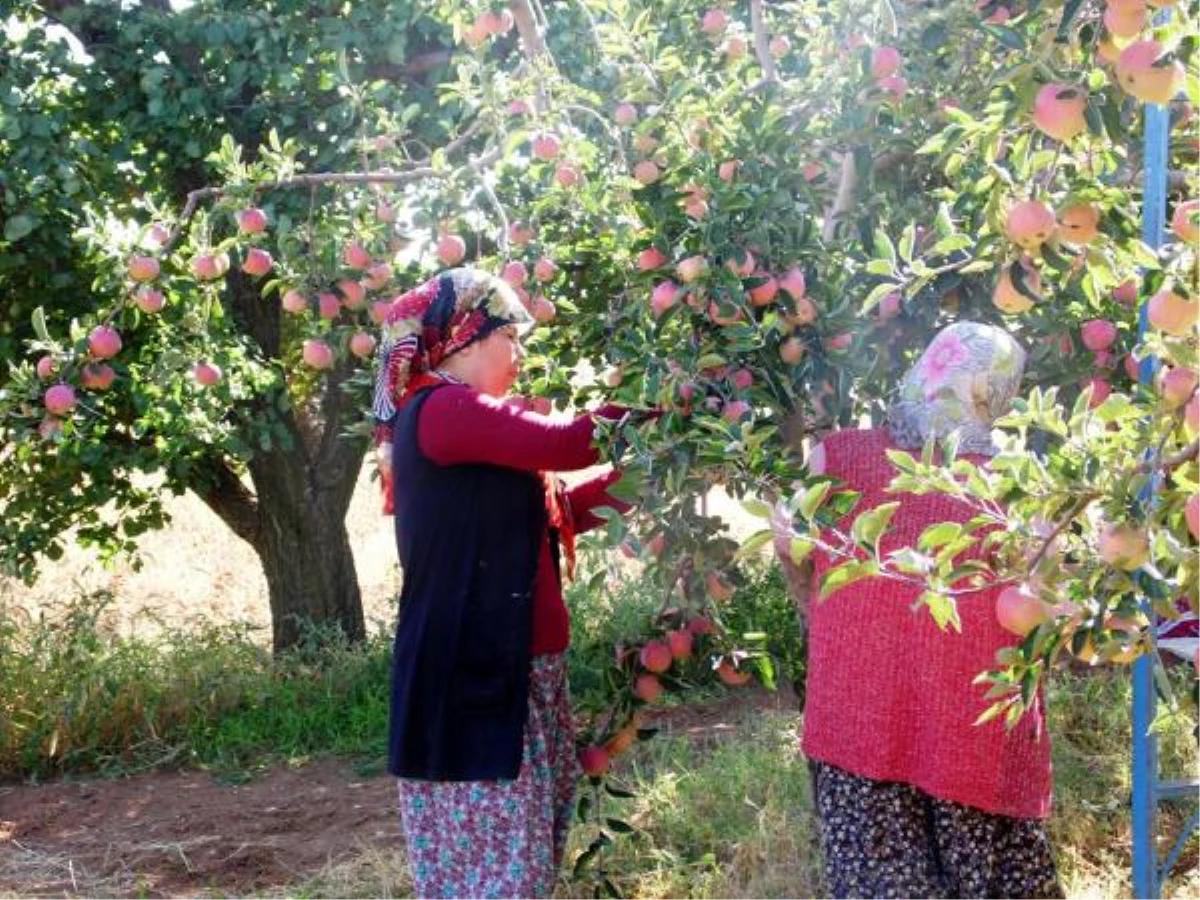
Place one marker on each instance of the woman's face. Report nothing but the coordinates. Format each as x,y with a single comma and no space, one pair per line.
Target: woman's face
497,361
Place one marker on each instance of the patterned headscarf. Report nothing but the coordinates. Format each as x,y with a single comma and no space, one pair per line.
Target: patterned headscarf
967,377
427,324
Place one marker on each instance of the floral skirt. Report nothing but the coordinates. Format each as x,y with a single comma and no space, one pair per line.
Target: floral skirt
886,839
500,838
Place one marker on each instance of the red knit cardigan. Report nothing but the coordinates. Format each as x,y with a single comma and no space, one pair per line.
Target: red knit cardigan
889,695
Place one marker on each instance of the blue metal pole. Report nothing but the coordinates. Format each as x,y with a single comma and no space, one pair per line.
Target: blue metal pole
1145,744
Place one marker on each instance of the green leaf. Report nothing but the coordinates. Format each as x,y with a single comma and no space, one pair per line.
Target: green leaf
19,226
870,525
754,543
939,534
884,249
619,826
757,508
846,574
943,609
812,499
799,549
39,324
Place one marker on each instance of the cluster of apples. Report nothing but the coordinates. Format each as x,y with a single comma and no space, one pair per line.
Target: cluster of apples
367,274
654,658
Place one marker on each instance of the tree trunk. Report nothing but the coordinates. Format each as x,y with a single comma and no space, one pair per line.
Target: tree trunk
305,553
295,516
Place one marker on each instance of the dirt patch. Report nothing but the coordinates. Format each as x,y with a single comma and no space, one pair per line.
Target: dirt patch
170,834
190,834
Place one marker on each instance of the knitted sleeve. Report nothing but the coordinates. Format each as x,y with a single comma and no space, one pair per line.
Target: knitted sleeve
459,425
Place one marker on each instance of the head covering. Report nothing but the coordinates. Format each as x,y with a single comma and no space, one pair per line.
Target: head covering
427,324
967,377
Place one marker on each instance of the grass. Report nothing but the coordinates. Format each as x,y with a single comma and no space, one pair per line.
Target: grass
718,811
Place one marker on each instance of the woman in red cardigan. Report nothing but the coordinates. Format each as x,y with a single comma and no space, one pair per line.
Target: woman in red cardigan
914,799
481,735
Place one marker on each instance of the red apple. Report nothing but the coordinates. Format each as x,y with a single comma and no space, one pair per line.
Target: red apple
1079,223
1030,223
149,300
354,295
651,258
1191,512
317,354
714,23
544,269
97,376
1143,72
46,368
515,273
1058,110
691,268
1019,610
730,675
885,61
519,233
542,310
356,256
206,374
646,172
763,294
451,249
1126,293
655,656
362,344
567,175
104,342
680,643
293,301
1176,385
545,147
258,262
59,399
328,305
792,283
625,114
1185,221
251,221
664,297
1098,334
1172,312
378,275
791,351
594,761
647,687
143,268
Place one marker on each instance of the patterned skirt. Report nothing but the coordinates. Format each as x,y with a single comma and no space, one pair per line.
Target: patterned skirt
500,838
887,839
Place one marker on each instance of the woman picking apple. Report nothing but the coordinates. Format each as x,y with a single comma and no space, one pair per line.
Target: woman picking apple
481,735
914,799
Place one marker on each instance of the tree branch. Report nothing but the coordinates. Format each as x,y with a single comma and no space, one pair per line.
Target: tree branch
224,493
762,48
844,199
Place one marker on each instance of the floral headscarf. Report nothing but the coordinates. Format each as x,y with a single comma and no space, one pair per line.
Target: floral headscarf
425,325
966,378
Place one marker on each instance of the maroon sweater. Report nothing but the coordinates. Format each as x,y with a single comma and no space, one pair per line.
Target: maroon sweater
889,695
459,425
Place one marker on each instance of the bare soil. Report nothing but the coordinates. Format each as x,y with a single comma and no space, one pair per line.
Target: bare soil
191,834
175,834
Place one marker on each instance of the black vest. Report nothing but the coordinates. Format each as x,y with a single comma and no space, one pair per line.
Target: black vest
469,538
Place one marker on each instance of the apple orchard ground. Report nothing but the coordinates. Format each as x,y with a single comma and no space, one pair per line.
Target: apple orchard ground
177,834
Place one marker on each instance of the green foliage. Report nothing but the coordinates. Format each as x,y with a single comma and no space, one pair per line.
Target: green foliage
76,697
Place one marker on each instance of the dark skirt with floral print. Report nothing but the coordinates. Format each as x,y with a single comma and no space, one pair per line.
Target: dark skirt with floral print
887,839
500,838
